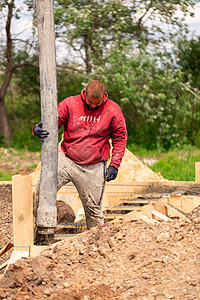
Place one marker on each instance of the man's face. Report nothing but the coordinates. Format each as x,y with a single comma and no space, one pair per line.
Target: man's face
93,103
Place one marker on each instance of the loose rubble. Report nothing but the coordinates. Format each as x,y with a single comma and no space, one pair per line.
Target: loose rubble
119,260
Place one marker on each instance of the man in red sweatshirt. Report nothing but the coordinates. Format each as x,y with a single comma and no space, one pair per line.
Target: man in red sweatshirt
90,120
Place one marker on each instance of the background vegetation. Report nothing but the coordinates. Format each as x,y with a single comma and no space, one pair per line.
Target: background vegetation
141,50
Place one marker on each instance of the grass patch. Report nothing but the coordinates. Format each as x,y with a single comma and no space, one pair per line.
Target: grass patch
33,167
139,150
5,176
176,164
179,166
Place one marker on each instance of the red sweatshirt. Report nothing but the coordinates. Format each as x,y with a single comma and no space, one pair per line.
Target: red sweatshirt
87,132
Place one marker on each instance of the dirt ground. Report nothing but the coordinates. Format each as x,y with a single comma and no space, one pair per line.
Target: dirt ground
119,260
6,219
64,214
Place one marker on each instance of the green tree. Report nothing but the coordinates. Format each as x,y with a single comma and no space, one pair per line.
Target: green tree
90,27
156,104
9,46
188,59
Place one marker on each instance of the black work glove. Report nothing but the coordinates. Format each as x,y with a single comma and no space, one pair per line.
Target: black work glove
111,173
40,132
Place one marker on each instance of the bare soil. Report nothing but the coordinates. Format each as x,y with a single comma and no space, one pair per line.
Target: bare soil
6,219
65,214
119,260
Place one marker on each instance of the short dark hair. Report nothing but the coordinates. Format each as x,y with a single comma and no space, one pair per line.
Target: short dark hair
95,89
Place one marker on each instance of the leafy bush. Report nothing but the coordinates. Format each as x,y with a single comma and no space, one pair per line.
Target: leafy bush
159,108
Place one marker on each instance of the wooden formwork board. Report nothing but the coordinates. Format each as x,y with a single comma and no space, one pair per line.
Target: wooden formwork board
18,253
114,216
185,203
22,210
116,191
174,212
197,172
120,208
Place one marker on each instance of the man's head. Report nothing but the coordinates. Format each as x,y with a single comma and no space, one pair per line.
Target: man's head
95,91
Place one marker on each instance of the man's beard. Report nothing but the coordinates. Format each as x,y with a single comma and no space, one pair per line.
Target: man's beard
93,108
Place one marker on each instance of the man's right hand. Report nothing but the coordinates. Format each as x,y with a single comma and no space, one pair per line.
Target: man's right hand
40,132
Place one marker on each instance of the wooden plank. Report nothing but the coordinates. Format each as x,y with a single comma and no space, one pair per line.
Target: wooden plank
3,265
70,226
149,196
114,216
22,248
126,207
22,210
160,206
160,216
172,211
35,250
138,201
6,248
116,191
197,172
135,215
176,201
138,183
148,220
17,255
187,204
196,201
132,216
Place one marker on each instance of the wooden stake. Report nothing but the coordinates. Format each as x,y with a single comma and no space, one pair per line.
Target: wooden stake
197,172
22,210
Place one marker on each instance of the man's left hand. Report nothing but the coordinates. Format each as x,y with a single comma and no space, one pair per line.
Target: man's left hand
111,173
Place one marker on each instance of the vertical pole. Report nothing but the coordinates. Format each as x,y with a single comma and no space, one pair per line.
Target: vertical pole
47,213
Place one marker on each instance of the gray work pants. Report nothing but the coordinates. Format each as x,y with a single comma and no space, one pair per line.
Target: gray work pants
89,181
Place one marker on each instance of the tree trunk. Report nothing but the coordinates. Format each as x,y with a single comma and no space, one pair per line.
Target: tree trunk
47,211
5,127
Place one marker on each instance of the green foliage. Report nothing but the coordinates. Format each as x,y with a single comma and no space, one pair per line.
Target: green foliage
92,26
27,79
157,107
188,59
144,152
24,139
69,81
112,38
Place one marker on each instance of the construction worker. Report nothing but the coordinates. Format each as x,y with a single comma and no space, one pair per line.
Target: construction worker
90,120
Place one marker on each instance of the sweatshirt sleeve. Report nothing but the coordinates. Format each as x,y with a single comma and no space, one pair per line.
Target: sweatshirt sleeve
119,138
62,113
